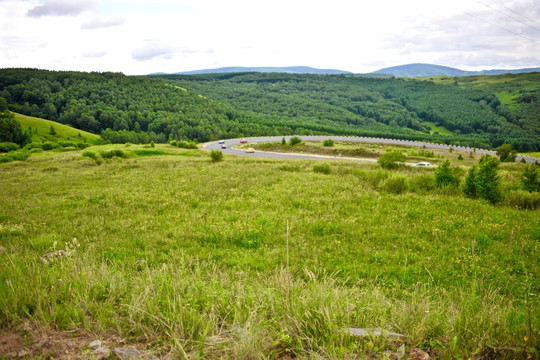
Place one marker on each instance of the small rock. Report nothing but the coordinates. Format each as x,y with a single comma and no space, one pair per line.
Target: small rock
102,352
42,343
127,353
418,354
2,249
95,344
48,257
69,344
371,332
22,353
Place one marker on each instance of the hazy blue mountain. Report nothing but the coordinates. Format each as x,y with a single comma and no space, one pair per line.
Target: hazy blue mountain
412,70
289,70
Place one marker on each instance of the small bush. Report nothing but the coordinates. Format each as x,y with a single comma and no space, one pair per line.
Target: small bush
152,145
395,185
523,200
295,140
322,168
186,145
444,175
328,143
49,146
114,153
216,155
391,158
36,150
127,144
67,144
90,154
19,155
8,146
287,167
424,182
82,145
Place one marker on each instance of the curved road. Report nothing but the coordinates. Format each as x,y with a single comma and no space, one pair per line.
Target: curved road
231,142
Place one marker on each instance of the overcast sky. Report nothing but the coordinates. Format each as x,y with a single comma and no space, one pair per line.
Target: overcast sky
146,36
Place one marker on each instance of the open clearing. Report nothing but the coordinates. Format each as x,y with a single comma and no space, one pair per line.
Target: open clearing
262,258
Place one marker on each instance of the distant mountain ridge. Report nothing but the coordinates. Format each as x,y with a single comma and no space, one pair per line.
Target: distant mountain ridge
415,70
287,69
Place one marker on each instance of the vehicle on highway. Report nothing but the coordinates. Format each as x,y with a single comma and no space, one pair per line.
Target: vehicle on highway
250,150
221,142
243,141
223,146
422,164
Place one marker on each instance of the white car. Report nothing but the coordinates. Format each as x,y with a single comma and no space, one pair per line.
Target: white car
221,142
422,164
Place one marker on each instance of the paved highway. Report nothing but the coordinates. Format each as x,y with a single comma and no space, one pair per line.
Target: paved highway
232,142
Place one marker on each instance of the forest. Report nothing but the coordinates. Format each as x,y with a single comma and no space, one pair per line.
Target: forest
140,109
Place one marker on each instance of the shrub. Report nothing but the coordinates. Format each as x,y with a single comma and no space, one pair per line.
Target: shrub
424,182
529,179
36,150
216,155
295,140
322,168
328,143
114,152
186,145
49,146
390,159
506,154
523,200
395,185
19,155
283,141
152,145
444,175
67,144
8,146
460,157
82,145
90,154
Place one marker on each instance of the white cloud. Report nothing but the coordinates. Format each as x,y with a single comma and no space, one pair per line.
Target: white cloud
143,36
62,8
98,23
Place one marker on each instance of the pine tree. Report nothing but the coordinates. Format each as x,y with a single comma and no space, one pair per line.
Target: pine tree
487,179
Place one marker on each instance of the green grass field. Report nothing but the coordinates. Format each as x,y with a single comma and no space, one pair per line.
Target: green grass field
258,258
41,131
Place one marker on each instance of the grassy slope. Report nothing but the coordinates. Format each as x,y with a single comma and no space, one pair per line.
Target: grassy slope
41,131
190,256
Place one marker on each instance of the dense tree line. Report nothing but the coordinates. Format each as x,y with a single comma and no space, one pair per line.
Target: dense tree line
207,107
119,107
355,105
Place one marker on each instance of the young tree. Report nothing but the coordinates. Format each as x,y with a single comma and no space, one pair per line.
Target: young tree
506,154
11,131
444,175
487,179
52,131
469,187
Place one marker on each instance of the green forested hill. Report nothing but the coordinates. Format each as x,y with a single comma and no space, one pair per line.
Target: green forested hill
207,107
360,105
122,108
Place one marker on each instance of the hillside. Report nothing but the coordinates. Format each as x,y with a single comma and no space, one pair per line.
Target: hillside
287,69
122,108
419,70
40,129
211,106
368,106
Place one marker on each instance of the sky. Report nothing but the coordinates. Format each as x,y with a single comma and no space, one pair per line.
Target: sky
138,37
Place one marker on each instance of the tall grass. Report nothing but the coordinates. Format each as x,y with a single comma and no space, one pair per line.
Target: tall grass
189,257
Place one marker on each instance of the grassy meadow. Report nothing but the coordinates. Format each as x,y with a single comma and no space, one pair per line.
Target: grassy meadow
252,258
41,131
